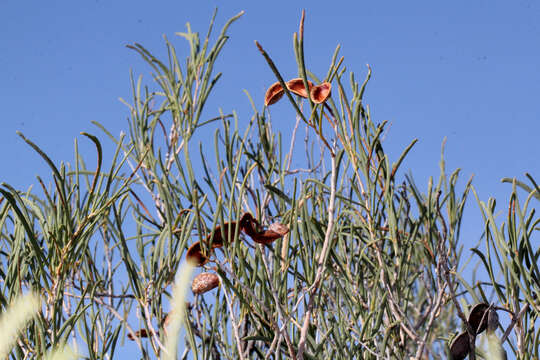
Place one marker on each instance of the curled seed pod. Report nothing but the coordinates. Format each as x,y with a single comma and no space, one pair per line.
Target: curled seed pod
460,347
477,320
320,93
273,94
249,224
204,282
274,232
492,321
266,237
297,87
222,234
195,255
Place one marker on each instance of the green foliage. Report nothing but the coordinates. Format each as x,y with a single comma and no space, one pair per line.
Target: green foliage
370,267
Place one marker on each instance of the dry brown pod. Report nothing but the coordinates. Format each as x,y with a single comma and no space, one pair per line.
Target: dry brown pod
222,235
274,232
250,225
195,255
460,347
476,319
297,87
266,237
204,282
273,94
321,92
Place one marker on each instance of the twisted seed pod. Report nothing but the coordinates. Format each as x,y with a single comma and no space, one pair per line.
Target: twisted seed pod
250,226
195,255
297,87
273,94
221,235
217,240
274,232
204,282
321,92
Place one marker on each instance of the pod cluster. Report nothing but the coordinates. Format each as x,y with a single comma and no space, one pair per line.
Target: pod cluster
317,93
220,237
482,317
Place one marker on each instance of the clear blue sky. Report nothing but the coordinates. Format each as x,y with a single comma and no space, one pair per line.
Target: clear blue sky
465,70
461,69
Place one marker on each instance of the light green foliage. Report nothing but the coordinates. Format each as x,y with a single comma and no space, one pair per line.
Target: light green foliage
370,269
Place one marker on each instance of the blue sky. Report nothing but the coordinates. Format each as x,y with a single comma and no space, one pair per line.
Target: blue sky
465,70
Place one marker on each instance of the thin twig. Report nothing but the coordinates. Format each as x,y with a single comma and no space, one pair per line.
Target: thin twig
278,307
322,257
515,319
234,324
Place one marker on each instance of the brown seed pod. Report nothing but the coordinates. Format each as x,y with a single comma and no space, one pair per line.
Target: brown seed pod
274,232
297,86
320,93
222,234
477,315
204,282
273,94
266,237
460,347
250,226
195,255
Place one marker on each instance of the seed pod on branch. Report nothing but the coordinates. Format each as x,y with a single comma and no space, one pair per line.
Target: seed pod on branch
250,226
222,235
478,317
273,94
320,93
460,347
204,282
297,87
195,255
